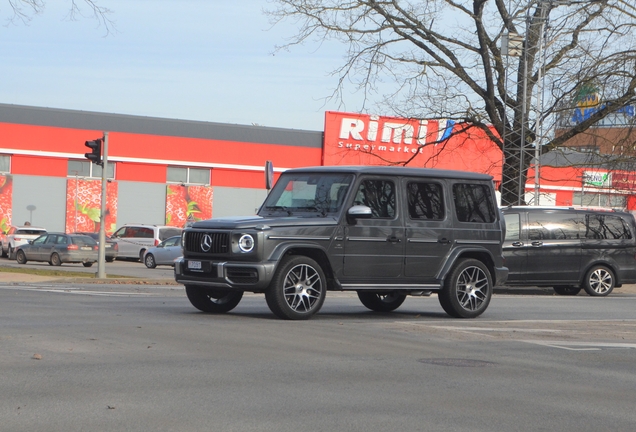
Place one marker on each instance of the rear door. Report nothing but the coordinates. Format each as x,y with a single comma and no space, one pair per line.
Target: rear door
429,236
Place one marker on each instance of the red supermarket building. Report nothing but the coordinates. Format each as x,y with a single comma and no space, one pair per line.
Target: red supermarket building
167,171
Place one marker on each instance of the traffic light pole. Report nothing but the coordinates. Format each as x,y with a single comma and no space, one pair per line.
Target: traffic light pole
101,255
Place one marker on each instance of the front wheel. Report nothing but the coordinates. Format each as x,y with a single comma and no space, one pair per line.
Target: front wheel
21,257
87,264
149,260
565,290
467,289
211,300
599,281
298,288
381,302
141,255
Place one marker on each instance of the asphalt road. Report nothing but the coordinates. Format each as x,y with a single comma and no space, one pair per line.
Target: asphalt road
138,358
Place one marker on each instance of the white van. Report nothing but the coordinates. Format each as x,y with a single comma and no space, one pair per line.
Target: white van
133,239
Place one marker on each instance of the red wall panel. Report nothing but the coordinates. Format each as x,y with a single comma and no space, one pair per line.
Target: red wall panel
132,171
38,166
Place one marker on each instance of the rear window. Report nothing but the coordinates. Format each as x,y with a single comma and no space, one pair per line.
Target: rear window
606,227
165,233
83,241
474,203
30,231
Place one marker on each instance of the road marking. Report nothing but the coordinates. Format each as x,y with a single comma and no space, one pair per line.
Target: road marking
79,291
581,346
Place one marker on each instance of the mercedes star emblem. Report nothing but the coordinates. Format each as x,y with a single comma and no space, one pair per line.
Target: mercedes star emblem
206,243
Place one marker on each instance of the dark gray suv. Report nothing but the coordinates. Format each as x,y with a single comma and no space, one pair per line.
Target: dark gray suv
384,232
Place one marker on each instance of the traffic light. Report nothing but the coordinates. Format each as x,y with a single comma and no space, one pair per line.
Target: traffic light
95,155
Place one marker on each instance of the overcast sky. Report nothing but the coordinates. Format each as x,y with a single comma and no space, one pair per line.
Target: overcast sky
207,60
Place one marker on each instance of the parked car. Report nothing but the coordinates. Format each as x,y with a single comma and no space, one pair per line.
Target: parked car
58,248
17,236
110,247
383,232
570,249
134,239
164,254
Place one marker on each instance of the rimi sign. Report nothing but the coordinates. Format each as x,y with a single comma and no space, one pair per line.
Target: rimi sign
361,139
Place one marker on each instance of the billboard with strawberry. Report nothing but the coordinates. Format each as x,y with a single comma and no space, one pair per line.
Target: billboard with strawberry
6,206
83,206
187,204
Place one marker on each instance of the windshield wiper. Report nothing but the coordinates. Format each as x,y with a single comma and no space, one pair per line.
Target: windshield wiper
279,208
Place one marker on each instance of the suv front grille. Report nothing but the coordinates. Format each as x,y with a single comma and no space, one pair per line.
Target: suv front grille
219,242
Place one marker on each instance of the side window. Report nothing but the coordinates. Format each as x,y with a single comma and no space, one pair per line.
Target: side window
606,227
425,201
171,242
474,203
379,195
554,226
62,240
145,233
513,226
119,233
51,239
41,240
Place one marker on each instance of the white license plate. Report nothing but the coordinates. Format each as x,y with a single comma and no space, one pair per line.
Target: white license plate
86,248
194,265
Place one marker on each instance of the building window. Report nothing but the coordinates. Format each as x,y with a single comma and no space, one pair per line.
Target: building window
590,199
5,163
78,168
188,175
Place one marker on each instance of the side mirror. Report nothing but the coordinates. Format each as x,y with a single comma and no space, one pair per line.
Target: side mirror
359,212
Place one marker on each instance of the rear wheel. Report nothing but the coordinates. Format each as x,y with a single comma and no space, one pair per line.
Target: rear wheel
211,300
467,289
298,288
381,302
110,259
87,264
566,290
599,281
21,257
11,254
149,260
2,251
55,259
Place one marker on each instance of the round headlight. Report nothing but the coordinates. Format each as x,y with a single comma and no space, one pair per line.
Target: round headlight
246,243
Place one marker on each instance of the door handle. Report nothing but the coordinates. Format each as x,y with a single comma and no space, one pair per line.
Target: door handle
537,243
393,239
517,244
443,240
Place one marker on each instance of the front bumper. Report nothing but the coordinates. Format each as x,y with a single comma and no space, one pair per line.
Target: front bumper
253,277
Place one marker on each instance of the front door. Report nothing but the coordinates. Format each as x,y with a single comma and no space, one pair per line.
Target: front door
374,247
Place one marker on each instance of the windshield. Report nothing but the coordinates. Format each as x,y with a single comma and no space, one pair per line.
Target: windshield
320,194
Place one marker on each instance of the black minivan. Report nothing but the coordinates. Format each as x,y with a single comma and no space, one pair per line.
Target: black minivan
570,249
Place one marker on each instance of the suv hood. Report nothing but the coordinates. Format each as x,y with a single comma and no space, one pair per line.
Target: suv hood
258,222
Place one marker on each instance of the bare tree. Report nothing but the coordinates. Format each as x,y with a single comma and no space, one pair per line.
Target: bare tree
24,10
446,60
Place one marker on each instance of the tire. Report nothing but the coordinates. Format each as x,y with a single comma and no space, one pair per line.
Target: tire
11,253
2,252
298,288
110,259
149,260
55,259
211,300
87,264
467,289
599,281
21,257
381,302
565,290
141,255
